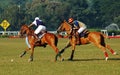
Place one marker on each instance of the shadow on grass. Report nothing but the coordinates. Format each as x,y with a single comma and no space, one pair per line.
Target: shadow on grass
114,59
94,59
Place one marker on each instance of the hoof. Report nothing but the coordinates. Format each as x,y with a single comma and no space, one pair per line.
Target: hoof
58,55
20,56
23,54
55,60
62,59
30,60
115,53
106,58
70,59
44,46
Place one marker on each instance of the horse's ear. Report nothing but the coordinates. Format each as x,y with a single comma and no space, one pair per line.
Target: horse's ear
21,25
64,21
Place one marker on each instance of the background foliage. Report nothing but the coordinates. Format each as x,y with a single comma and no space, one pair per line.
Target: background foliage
94,13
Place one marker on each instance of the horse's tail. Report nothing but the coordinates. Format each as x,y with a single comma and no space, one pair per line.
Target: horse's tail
105,36
103,40
56,40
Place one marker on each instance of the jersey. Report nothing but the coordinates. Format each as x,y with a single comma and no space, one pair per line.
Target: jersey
38,22
78,24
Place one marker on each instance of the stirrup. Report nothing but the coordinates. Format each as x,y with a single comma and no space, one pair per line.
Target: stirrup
37,40
78,43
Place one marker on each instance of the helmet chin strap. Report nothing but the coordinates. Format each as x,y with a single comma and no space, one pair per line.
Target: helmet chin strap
70,20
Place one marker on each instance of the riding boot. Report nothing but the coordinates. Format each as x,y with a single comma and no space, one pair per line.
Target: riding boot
36,38
35,35
78,39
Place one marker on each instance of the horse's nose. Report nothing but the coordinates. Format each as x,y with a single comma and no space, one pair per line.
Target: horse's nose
19,33
58,31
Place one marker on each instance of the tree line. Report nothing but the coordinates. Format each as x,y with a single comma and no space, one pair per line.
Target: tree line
94,13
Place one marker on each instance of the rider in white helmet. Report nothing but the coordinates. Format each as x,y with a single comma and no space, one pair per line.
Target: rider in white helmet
40,26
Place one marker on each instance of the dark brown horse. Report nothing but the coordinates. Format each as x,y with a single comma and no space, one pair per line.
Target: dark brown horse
48,39
97,38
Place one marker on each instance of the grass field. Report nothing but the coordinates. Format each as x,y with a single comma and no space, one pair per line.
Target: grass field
88,60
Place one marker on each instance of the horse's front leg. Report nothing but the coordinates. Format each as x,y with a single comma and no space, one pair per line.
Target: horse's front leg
67,46
72,53
29,47
60,52
24,52
73,44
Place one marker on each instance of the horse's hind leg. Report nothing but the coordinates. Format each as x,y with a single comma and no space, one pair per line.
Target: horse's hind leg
103,49
32,52
111,50
56,50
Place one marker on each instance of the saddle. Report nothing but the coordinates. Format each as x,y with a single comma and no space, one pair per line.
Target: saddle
40,35
84,33
38,40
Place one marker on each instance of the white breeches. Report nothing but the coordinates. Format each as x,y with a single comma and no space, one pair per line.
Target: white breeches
81,29
39,29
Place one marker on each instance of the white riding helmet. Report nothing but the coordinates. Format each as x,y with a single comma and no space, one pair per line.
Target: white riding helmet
36,18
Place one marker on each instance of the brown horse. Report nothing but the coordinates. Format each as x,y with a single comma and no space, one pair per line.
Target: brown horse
97,38
48,38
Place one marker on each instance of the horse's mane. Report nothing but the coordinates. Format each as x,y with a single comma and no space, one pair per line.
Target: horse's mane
66,23
30,29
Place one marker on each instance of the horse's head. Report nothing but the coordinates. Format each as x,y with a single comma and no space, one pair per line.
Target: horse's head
24,30
64,27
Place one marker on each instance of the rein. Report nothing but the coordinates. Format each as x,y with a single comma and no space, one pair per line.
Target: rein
27,31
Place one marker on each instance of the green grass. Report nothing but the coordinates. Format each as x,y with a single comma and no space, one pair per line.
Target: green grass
88,60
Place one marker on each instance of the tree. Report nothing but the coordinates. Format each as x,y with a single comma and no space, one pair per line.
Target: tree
94,13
